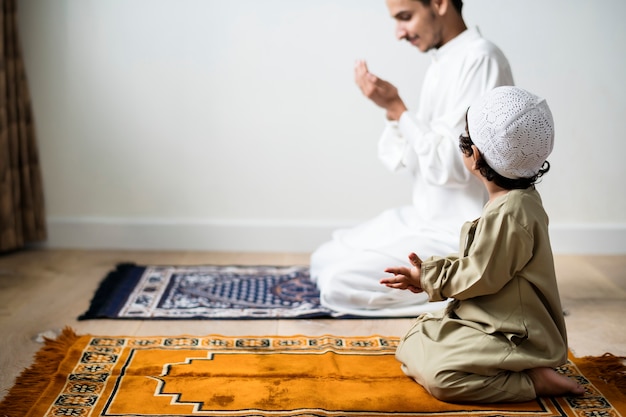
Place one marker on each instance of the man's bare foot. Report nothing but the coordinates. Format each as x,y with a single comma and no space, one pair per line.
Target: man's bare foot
548,383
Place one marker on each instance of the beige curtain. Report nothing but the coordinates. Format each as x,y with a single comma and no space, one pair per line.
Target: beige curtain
22,217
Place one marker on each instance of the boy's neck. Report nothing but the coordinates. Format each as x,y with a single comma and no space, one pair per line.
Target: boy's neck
494,190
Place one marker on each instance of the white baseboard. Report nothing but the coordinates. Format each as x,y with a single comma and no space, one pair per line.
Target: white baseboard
270,236
592,239
188,234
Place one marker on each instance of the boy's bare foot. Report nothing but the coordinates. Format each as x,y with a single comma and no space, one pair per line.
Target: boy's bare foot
549,383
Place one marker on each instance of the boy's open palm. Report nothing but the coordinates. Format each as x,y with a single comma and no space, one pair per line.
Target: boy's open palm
405,278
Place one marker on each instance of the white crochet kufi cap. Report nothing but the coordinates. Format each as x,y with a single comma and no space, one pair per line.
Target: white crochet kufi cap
513,130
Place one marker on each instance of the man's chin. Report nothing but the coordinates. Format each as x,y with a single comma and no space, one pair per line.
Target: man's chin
421,46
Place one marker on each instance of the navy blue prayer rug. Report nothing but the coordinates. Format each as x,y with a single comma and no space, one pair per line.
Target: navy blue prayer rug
206,292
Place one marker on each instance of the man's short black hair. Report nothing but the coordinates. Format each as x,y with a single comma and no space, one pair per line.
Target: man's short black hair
458,4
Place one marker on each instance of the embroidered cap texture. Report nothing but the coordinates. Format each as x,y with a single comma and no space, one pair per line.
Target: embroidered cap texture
513,129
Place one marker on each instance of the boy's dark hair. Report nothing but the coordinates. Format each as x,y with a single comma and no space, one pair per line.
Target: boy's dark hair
465,143
458,4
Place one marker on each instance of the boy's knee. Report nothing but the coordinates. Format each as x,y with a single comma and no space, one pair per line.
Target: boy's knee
446,386
442,385
461,387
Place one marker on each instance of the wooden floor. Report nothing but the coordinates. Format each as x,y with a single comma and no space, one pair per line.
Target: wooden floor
42,291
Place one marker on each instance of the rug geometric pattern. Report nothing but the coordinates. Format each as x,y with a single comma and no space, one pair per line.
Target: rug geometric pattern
266,376
207,292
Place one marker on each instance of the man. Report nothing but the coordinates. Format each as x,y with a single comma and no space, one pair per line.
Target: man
464,66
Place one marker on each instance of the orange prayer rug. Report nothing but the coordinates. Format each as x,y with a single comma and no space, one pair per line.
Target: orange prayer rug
264,376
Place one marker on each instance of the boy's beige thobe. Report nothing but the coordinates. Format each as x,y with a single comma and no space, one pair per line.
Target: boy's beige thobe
505,316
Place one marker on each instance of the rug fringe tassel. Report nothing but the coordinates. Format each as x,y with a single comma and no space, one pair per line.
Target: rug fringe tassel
105,290
608,368
32,381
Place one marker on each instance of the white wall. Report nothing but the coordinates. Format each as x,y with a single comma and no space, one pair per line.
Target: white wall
219,125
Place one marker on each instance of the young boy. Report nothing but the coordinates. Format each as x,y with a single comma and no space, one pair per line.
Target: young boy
503,330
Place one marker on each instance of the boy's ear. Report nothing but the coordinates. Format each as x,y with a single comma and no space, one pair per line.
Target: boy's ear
475,156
